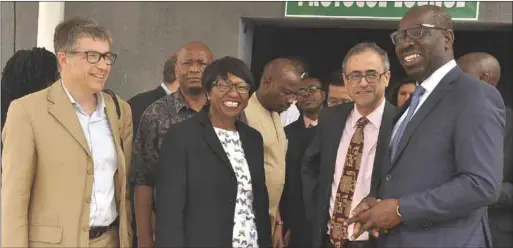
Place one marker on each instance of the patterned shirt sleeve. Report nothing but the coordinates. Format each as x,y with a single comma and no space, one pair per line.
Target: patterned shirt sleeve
145,149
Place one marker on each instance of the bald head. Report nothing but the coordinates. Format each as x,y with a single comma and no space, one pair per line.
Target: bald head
196,46
281,67
483,66
438,16
191,61
280,81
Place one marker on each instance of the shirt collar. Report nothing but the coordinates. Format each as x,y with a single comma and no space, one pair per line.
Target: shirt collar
166,89
374,117
100,101
309,122
179,100
432,81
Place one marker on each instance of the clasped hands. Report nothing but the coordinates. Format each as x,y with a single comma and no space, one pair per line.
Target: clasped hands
374,216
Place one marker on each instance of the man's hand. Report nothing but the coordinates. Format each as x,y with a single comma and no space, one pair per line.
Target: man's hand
382,216
278,237
366,204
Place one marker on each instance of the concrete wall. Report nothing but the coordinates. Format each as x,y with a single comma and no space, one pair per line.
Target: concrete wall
145,33
25,22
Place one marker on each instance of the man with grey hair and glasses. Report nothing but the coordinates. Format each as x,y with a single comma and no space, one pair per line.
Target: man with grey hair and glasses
67,151
343,160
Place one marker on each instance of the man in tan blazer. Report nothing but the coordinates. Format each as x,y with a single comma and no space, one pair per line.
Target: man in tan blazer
66,152
280,81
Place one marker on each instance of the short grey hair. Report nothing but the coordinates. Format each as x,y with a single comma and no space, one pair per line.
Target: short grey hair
68,32
364,46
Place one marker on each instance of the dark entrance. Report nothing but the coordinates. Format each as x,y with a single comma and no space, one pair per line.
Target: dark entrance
324,48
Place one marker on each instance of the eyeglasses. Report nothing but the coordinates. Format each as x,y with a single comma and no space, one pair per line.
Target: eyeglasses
334,102
371,77
224,86
94,57
414,33
310,89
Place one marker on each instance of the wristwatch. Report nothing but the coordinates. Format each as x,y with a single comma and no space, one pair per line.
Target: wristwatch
397,210
280,223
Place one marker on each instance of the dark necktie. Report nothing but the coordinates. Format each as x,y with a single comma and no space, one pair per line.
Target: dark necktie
346,186
394,143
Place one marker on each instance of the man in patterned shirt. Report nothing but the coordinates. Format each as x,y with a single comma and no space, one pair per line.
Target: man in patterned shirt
155,121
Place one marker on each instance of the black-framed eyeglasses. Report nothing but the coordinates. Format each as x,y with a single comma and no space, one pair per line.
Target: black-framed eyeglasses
371,77
414,33
310,89
224,86
333,102
94,57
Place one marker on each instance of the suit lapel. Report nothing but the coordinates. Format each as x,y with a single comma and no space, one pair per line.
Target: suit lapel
212,140
438,93
382,159
252,158
60,107
334,132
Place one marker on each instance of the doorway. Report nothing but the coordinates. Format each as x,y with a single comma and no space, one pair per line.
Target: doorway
324,48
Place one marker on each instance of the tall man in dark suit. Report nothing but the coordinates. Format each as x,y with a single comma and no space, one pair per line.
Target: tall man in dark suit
141,101
486,68
310,98
345,156
446,149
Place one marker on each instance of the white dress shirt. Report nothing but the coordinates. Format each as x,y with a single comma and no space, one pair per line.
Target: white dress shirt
290,115
166,89
429,85
363,181
101,144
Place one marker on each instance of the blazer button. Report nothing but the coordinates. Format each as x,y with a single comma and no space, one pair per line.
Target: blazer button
389,178
85,228
90,171
88,199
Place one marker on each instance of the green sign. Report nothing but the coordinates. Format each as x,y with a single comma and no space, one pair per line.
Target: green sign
459,10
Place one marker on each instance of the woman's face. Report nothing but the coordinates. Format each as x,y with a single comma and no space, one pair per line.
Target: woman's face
229,97
404,93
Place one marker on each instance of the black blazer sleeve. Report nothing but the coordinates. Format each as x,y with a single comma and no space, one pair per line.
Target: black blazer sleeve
170,191
310,172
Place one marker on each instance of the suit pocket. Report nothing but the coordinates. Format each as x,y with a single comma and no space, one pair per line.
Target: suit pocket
45,234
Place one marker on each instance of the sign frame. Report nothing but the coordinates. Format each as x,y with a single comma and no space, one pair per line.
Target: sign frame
476,18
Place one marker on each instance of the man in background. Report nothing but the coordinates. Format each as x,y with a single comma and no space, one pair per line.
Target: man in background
169,84
337,92
486,68
280,81
310,99
155,121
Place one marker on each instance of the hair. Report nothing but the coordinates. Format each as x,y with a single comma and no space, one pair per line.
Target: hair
395,92
335,78
168,74
220,68
366,46
68,32
27,71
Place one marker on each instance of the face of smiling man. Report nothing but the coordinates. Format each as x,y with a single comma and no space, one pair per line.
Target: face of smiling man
366,78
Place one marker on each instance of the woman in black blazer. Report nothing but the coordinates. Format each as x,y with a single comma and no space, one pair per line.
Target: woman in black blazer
210,189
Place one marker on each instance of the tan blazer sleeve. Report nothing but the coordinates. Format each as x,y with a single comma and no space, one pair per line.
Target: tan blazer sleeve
18,170
127,132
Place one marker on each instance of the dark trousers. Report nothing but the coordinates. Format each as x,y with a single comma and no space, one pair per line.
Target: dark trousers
351,244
